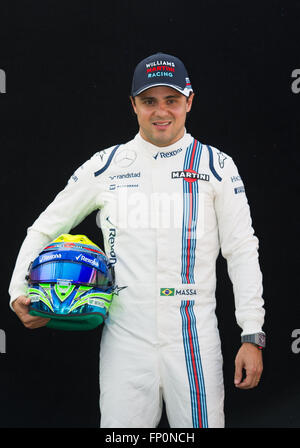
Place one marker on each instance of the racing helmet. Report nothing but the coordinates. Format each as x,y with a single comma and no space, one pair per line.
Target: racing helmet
71,282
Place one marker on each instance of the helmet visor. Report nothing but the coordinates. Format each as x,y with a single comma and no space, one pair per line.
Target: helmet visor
67,271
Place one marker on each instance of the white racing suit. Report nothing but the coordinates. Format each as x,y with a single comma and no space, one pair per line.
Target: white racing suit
164,213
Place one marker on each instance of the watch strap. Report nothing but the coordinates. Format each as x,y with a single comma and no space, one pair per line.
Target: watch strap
258,339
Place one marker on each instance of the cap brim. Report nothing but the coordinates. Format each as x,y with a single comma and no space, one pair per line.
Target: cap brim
185,92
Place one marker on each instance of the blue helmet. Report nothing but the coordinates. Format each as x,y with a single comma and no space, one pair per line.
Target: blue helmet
71,282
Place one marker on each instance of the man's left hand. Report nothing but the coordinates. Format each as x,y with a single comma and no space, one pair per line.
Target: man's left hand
249,357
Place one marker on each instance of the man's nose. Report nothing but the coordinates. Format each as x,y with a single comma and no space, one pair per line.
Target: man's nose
161,108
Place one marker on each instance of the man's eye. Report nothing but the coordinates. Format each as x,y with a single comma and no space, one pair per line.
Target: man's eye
148,102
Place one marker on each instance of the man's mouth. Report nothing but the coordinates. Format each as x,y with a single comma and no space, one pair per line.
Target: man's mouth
161,124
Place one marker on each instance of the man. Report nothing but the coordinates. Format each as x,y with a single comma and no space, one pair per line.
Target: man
168,203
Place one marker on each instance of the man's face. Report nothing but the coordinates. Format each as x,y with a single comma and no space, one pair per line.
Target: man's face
161,113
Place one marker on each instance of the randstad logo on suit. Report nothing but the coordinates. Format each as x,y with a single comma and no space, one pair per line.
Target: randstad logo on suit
177,292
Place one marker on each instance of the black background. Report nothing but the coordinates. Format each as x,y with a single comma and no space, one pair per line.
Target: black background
68,69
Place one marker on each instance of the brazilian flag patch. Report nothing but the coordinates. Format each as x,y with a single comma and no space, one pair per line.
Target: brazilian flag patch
167,291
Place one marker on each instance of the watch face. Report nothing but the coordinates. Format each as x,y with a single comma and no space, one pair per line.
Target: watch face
261,339
257,339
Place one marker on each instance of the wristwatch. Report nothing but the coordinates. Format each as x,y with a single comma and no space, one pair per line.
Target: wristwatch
258,339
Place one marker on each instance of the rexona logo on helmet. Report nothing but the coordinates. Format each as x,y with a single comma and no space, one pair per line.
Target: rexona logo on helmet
72,283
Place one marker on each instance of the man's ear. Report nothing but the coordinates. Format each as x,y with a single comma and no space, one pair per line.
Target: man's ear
189,102
133,103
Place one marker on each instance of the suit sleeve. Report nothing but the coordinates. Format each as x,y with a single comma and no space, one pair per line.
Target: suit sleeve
239,246
76,201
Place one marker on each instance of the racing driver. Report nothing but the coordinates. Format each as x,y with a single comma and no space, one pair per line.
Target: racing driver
167,205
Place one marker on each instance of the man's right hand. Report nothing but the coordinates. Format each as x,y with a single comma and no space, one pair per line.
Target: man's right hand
21,307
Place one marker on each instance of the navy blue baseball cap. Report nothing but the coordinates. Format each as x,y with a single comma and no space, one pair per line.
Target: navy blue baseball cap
161,69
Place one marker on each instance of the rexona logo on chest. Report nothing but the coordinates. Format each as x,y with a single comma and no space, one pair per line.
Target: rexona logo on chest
167,154
189,175
177,292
